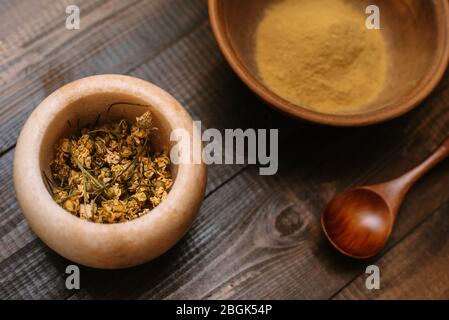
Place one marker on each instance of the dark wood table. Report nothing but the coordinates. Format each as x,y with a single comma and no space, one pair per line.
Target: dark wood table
256,236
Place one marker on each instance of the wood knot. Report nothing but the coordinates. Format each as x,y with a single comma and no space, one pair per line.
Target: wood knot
288,221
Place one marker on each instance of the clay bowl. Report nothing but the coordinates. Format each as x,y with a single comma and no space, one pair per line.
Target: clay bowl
107,246
416,33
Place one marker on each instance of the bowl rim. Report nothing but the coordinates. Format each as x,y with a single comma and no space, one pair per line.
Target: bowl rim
39,204
278,103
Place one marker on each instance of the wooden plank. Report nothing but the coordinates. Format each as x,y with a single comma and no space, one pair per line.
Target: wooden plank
35,272
228,210
24,21
14,234
115,37
414,269
316,168
27,267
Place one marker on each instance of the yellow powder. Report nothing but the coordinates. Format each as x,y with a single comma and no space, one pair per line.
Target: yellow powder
319,54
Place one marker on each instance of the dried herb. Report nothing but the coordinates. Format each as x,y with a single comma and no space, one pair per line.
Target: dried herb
108,174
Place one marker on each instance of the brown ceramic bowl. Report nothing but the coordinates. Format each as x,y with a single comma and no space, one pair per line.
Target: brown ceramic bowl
107,246
417,36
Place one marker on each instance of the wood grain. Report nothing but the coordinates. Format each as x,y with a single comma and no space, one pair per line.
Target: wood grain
256,237
24,22
183,261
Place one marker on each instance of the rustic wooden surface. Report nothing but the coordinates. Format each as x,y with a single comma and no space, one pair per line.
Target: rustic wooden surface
255,237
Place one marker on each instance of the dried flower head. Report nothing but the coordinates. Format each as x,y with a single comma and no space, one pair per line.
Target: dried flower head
108,174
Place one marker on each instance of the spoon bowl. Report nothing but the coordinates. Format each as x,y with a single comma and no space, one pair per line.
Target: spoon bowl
358,222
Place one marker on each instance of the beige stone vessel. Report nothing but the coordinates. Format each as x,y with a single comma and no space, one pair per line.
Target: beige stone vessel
106,246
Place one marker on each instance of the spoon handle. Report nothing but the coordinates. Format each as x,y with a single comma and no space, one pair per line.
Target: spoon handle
395,190
441,153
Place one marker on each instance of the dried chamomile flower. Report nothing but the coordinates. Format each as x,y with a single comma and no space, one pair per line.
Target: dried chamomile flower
87,211
108,174
145,121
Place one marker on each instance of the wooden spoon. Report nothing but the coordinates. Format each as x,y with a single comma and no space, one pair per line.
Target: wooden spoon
358,222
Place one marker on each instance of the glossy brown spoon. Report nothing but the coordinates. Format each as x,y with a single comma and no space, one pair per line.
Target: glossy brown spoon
358,222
